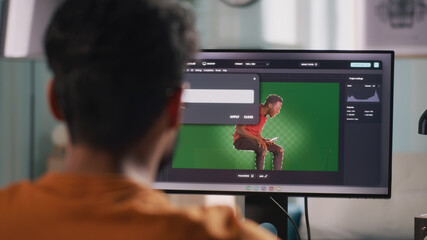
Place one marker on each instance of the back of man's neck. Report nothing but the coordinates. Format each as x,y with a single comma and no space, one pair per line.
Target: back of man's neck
86,160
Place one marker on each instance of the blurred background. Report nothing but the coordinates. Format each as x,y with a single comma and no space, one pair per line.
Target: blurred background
27,149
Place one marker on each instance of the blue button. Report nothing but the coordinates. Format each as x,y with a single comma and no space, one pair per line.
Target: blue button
376,64
360,64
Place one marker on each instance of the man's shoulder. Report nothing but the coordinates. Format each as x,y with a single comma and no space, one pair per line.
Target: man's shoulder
9,192
146,213
200,213
219,222
12,197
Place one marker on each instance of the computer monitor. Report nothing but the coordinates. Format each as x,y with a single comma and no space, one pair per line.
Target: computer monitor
333,132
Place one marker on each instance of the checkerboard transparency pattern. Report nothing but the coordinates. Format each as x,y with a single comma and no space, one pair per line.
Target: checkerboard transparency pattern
307,127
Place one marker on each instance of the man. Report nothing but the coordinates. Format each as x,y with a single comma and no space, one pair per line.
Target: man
117,69
248,137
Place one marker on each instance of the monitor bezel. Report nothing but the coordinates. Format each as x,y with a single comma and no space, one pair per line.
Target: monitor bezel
310,194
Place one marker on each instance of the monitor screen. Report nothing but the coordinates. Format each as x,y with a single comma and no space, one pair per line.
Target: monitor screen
301,123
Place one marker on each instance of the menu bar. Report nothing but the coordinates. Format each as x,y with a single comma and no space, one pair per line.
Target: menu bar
282,64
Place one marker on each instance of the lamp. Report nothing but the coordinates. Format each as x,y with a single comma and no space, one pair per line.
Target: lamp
422,125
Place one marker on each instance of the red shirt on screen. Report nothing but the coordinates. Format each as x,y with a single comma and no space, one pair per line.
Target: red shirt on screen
253,129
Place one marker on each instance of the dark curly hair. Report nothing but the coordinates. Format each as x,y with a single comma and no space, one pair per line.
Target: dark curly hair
273,99
114,62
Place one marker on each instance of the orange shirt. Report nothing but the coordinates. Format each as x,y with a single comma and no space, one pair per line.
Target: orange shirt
60,206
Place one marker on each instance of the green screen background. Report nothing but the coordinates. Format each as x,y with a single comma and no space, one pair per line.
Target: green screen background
307,127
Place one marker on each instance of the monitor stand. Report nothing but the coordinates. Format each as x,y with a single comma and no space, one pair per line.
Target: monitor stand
261,209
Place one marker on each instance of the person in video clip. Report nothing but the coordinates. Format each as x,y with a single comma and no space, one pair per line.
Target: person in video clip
117,75
248,137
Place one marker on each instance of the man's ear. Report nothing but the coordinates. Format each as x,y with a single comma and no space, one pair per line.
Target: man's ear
174,108
53,102
270,105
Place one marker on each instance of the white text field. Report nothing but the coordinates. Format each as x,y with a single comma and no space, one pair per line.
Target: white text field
218,96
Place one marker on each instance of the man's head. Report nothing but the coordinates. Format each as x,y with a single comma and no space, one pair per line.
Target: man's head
274,104
117,65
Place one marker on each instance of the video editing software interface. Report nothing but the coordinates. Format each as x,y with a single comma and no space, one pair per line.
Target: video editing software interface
326,128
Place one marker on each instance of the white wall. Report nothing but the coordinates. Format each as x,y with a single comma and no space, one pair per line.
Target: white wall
375,219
